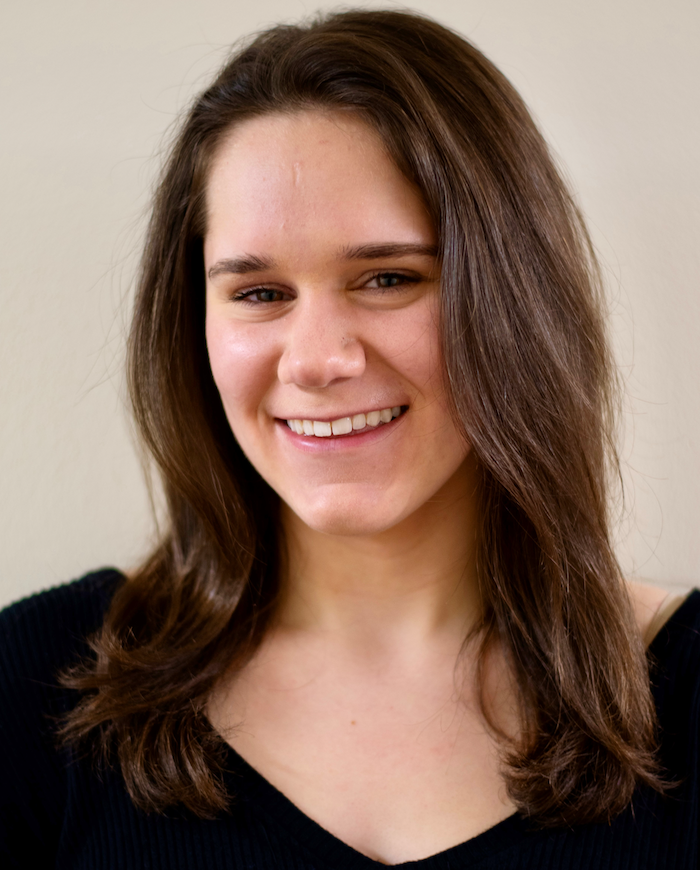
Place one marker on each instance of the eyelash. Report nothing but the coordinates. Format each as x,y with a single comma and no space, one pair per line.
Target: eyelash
405,279
245,296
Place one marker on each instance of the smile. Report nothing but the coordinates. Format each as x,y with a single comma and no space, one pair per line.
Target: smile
344,425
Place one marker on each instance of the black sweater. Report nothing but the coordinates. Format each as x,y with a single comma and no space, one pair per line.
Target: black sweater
57,811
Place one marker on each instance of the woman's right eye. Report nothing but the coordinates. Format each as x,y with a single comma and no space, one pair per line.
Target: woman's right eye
260,295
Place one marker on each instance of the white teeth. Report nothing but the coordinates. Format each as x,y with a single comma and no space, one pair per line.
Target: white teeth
344,425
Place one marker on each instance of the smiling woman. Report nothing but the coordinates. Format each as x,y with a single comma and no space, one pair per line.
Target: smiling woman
337,321
385,623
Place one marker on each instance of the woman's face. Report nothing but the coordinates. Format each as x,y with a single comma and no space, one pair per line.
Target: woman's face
322,305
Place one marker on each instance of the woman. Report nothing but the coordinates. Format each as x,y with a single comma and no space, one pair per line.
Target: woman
385,623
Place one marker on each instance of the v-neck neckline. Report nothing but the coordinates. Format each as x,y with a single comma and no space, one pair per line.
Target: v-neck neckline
266,800
322,846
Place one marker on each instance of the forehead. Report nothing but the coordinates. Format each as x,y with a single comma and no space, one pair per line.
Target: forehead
281,177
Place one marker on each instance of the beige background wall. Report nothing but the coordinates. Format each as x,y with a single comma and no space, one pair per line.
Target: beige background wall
87,92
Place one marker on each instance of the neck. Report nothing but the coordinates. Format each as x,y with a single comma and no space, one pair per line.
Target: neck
410,583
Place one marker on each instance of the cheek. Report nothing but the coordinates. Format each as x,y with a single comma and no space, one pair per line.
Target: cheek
412,345
242,367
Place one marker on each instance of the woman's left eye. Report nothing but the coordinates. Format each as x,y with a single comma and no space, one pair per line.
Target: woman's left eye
390,280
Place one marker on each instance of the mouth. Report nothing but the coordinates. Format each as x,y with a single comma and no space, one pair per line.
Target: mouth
345,426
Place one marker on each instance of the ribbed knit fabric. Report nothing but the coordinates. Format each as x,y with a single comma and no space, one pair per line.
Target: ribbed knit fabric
57,811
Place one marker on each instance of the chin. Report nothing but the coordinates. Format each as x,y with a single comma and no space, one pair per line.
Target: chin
347,526
334,515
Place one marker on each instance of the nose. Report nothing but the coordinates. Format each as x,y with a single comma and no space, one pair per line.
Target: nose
320,347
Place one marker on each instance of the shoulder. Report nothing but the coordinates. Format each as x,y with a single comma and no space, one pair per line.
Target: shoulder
674,667
652,607
670,624
97,587
40,636
49,628
675,648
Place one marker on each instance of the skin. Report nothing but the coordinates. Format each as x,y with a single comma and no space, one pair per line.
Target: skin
358,705
300,191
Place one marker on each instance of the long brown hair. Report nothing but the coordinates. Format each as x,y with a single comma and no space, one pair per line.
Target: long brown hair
531,383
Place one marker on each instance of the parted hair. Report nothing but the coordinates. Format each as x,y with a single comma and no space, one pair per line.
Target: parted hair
532,389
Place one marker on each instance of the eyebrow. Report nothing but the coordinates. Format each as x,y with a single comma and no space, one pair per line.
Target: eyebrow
240,266
251,263
391,249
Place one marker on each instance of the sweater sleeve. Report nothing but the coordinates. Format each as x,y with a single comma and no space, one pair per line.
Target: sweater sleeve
40,636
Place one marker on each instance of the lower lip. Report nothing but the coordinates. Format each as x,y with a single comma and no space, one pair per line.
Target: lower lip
340,443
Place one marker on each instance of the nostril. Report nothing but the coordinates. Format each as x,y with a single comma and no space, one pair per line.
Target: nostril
316,364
